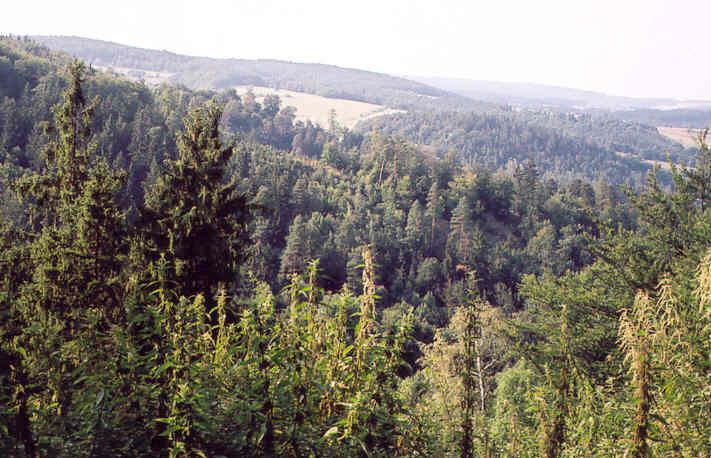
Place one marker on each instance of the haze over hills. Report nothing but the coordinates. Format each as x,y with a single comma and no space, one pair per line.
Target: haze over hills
402,92
530,94
338,82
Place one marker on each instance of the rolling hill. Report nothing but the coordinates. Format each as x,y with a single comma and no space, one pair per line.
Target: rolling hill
209,73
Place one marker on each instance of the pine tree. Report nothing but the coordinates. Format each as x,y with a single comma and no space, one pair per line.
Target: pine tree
415,228
73,252
73,204
196,217
294,256
433,213
300,198
461,243
467,373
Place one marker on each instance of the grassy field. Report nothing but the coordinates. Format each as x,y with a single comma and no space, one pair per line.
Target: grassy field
317,108
686,137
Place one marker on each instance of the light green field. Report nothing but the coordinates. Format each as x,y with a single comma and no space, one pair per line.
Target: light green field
317,108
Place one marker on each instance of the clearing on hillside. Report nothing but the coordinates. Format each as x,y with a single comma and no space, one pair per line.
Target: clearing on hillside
688,138
317,108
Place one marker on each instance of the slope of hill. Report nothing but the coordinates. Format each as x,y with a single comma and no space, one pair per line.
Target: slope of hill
685,136
563,144
208,73
687,118
505,142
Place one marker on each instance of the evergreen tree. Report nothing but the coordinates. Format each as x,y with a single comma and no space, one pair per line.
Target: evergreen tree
196,216
294,257
433,213
415,228
72,260
462,245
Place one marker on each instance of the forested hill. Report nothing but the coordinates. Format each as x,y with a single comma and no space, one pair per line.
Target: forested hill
564,146
208,73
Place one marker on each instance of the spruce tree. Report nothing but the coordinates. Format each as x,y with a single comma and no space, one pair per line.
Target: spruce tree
70,291
461,244
433,213
293,258
415,228
73,207
195,216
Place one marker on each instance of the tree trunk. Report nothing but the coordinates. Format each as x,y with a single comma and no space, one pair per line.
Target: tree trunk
24,430
641,419
482,400
555,434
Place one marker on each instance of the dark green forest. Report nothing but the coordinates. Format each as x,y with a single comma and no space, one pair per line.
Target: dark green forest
566,146
194,273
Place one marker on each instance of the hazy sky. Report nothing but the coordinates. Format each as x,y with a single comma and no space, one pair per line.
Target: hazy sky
621,47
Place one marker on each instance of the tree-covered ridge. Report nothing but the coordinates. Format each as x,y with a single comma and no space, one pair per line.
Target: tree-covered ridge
615,134
564,145
361,300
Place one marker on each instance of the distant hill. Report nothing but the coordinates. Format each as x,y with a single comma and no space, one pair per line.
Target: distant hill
687,118
538,95
209,73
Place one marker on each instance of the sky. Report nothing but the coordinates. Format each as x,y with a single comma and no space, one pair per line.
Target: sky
639,48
